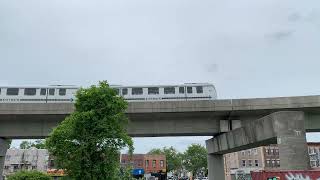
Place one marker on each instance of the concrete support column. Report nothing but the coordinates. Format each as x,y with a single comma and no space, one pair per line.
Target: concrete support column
291,139
4,145
216,167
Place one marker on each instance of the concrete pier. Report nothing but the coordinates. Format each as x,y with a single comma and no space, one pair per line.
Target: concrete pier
216,166
285,128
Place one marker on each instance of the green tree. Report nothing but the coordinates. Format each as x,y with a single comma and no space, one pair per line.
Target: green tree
87,143
195,158
155,151
39,144
29,175
173,157
25,145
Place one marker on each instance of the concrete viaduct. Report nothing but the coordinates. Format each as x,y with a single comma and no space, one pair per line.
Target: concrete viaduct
235,124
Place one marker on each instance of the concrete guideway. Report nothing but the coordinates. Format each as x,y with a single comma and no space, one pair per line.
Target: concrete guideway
181,118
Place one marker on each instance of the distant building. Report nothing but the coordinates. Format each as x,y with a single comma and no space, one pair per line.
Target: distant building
150,163
25,159
239,164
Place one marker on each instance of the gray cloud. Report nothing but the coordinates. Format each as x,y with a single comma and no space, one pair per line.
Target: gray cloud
212,68
294,17
280,35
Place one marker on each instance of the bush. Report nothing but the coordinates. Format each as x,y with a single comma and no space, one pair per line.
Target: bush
29,175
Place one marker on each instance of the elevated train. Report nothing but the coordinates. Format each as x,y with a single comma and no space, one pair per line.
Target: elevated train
66,93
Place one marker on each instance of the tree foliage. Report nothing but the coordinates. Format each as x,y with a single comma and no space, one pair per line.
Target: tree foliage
87,143
29,175
195,158
39,144
173,157
155,151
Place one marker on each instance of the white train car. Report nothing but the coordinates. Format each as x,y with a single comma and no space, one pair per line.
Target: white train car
182,92
66,94
37,94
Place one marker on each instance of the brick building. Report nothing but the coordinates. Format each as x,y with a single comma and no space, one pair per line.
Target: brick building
262,158
150,163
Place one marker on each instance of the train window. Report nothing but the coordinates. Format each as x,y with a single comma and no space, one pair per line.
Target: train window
12,91
30,91
137,91
169,90
43,92
117,90
181,90
199,89
124,91
51,92
153,90
62,92
189,90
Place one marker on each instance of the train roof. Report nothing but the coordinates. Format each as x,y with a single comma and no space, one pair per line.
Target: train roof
40,86
113,86
168,85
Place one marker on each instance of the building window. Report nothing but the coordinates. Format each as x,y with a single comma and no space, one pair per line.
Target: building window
255,151
43,92
51,92
161,163
6,167
256,163
147,163
15,168
199,89
137,91
34,167
189,90
62,92
276,151
268,163
268,151
30,91
278,162
153,90
181,90
273,163
271,151
154,163
12,91
250,163
313,163
249,152
124,91
243,153
243,163
169,90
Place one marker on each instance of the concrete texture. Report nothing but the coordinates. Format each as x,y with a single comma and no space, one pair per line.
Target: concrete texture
4,145
215,167
170,118
285,128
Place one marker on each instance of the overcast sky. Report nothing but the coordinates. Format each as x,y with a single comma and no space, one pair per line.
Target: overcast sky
246,48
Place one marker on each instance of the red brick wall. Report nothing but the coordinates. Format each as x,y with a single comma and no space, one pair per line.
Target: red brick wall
156,166
156,163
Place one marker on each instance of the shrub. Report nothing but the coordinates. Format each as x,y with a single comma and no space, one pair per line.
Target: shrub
29,175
